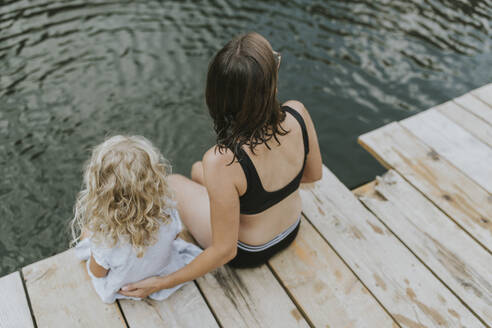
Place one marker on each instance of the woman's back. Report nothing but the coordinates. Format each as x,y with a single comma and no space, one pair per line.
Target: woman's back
230,205
279,167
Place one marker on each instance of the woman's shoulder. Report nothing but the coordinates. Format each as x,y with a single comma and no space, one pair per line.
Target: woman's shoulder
301,109
217,158
221,167
296,105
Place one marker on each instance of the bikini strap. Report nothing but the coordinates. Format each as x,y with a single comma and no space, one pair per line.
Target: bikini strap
299,119
252,177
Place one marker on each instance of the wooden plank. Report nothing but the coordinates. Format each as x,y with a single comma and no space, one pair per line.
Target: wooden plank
61,294
455,144
484,93
14,310
446,186
463,265
402,284
185,308
471,123
323,286
249,298
365,189
364,186
475,106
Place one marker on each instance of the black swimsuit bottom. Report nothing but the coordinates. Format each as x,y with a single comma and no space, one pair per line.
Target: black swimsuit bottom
252,256
256,200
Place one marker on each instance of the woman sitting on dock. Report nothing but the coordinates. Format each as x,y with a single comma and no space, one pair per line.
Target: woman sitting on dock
242,204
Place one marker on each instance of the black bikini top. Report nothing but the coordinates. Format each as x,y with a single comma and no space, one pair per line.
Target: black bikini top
256,199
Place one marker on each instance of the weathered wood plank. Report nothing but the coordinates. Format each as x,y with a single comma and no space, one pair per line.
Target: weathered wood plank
471,123
484,93
446,186
475,106
61,295
463,265
185,308
365,186
14,310
249,298
323,286
402,284
455,144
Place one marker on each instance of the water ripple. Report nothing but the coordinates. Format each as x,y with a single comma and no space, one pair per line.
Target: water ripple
73,72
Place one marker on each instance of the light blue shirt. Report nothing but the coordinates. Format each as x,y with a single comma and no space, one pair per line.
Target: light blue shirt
166,256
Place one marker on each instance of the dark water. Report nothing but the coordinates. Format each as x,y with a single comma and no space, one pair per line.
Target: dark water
73,72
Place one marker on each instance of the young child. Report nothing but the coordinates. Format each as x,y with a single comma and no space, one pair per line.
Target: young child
125,219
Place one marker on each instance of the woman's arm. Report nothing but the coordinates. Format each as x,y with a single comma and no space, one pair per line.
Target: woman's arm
224,213
314,164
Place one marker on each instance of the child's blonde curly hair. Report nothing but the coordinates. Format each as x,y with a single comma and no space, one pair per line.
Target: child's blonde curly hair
124,194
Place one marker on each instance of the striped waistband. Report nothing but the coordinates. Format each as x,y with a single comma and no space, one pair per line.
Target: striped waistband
272,242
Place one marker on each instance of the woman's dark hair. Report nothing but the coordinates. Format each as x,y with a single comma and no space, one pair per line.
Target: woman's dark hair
241,94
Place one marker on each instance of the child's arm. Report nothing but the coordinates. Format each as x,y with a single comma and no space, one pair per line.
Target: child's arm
97,270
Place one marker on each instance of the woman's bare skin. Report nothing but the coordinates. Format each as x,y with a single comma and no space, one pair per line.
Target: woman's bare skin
209,203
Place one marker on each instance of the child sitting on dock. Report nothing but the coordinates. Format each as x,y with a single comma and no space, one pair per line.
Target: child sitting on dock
126,220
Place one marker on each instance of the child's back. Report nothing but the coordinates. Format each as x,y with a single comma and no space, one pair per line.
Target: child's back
166,256
128,218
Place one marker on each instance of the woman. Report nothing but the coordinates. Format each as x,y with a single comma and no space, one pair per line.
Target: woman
242,204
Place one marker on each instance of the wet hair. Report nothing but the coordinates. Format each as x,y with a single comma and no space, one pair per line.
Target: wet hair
124,195
241,94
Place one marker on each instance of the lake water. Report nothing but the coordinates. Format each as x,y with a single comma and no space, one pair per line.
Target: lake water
73,72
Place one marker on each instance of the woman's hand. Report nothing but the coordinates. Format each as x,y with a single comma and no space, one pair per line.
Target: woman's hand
144,287
224,214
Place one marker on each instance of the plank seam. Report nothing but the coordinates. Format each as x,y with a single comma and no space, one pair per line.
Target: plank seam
478,97
187,233
467,128
366,181
208,304
425,265
122,313
389,166
28,299
442,158
304,314
469,111
351,270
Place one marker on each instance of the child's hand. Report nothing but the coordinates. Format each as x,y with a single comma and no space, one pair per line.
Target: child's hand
144,287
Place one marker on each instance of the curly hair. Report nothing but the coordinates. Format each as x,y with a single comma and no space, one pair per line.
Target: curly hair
241,94
124,194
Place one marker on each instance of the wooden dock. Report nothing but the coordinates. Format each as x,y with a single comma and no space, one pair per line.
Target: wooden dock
410,249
